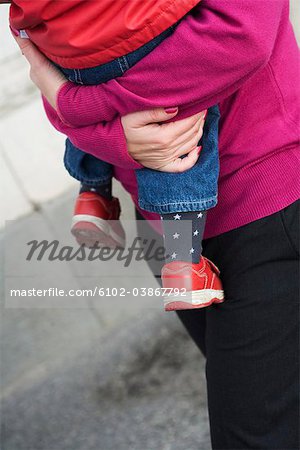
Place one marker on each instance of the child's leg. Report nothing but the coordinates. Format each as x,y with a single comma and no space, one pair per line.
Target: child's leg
182,199
94,175
96,214
185,196
184,243
105,190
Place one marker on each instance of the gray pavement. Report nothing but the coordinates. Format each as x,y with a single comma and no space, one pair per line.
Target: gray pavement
94,376
140,388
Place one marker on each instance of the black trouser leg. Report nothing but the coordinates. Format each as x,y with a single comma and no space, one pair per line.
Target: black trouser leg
252,339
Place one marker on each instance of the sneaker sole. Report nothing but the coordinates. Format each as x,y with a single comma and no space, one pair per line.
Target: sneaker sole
90,230
194,300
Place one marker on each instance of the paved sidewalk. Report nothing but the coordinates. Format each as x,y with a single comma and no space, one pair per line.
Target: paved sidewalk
94,376
31,151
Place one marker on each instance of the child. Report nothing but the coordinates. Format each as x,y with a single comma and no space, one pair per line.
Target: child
184,197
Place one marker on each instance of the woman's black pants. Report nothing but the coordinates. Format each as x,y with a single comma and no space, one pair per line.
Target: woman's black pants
251,341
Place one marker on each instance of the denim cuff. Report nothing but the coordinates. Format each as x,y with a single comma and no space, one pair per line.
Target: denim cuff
81,175
186,206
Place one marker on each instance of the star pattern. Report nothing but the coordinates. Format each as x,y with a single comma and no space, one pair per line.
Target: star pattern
177,217
183,235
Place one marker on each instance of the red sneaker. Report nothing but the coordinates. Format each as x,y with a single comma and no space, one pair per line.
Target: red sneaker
96,220
201,281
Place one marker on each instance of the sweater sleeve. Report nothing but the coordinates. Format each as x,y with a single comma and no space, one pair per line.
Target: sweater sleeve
104,140
79,106
212,52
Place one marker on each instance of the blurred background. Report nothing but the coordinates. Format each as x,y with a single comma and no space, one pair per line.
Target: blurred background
83,379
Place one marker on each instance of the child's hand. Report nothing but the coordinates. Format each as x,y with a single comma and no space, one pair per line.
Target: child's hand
43,73
160,146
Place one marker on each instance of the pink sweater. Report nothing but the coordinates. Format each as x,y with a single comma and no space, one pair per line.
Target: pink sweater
241,55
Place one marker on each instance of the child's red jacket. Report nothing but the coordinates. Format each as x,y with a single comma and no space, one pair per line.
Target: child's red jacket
87,33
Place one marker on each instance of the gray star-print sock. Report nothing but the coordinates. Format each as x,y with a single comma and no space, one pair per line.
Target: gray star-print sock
105,190
183,233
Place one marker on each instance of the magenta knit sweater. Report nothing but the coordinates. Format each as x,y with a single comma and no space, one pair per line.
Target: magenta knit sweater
240,55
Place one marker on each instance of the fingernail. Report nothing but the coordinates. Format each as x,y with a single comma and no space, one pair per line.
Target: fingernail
14,31
171,110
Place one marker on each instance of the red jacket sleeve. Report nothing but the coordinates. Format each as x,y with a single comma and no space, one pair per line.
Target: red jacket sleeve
212,52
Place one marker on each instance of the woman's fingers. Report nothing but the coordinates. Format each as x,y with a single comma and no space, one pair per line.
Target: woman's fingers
154,116
171,131
163,135
186,142
184,145
183,148
182,164
179,139
146,146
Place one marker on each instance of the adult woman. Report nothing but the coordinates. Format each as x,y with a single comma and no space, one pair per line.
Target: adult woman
249,65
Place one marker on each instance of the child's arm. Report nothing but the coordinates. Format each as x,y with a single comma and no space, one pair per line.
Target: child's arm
212,52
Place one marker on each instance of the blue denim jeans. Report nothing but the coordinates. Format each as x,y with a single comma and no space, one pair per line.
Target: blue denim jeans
159,192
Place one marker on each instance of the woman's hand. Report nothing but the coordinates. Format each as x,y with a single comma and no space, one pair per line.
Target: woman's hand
43,73
160,146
